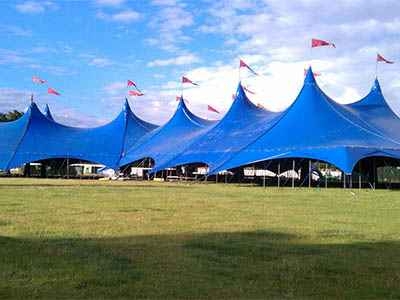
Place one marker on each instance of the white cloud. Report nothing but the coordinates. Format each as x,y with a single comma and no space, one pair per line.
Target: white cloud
177,61
15,30
169,23
115,88
109,2
124,16
34,7
100,62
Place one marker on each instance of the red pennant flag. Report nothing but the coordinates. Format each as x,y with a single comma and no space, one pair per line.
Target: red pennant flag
135,93
210,108
187,80
380,58
178,98
259,105
53,91
320,43
314,73
38,80
247,90
242,64
131,83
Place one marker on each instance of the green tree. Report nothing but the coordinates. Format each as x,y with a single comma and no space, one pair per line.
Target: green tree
10,116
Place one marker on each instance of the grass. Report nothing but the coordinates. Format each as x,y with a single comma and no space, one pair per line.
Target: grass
65,239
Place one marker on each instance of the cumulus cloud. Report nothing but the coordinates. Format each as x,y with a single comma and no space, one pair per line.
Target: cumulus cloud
170,22
124,16
15,30
177,61
100,62
34,7
109,2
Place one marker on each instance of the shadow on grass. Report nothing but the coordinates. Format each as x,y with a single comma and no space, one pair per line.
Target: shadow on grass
217,265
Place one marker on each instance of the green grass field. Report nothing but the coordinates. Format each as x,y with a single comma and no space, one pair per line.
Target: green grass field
103,240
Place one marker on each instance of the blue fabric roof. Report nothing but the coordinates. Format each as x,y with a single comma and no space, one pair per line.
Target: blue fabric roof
242,124
316,127
36,137
170,139
374,109
47,113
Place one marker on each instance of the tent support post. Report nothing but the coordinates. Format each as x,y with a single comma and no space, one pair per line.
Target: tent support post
351,180
67,167
344,180
216,178
326,176
375,173
293,171
279,174
309,173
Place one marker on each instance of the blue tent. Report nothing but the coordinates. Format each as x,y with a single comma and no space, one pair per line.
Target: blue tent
36,137
375,111
167,141
242,124
316,127
47,113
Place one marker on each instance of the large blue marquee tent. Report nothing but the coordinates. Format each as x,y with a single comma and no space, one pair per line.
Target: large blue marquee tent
36,137
165,142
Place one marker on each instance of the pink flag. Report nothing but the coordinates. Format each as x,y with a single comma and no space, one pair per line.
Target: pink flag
53,91
131,83
242,64
314,73
210,108
247,90
380,58
135,93
38,80
178,98
259,105
187,80
320,43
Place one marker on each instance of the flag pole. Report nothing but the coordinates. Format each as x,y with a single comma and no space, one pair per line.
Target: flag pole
376,67
181,87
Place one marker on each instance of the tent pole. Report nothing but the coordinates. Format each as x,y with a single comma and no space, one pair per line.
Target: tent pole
293,167
279,174
216,178
326,176
67,167
351,180
359,175
344,180
375,175
309,173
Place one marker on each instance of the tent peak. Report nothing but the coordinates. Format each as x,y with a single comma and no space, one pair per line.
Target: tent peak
310,79
376,86
47,112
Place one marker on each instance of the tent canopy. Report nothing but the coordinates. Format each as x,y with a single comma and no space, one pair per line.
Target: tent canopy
243,123
36,137
168,140
318,128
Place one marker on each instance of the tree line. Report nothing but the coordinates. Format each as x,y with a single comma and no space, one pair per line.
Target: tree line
10,116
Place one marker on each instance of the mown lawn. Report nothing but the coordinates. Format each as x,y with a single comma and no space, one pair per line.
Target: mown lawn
104,240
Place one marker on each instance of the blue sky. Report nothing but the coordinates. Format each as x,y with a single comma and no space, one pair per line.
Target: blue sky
88,49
